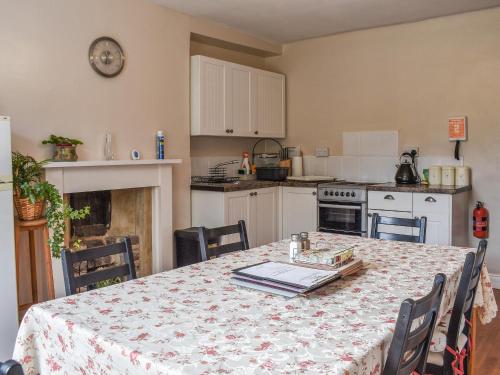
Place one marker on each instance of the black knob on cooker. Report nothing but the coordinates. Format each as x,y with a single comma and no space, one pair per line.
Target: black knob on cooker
336,193
342,194
353,194
347,194
325,193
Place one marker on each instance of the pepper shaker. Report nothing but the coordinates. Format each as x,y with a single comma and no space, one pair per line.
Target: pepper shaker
306,242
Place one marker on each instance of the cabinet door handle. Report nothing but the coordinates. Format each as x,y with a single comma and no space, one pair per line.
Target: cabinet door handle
256,132
227,131
430,200
255,193
251,194
389,197
314,193
231,131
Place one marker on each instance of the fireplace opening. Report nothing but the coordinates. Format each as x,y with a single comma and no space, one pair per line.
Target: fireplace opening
114,214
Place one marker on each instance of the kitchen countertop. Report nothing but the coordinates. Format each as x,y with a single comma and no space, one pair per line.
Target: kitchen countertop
249,185
419,188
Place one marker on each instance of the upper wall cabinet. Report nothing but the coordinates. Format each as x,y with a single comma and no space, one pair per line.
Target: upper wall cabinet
235,100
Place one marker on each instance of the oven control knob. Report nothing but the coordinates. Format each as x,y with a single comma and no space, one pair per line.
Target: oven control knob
342,194
331,193
336,193
347,194
325,193
353,194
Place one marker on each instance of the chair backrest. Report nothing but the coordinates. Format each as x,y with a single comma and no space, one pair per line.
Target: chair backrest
420,223
409,347
10,368
464,301
89,279
205,234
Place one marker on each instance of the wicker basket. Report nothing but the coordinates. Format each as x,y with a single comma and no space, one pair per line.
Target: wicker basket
27,210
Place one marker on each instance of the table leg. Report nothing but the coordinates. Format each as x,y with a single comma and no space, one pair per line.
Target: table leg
48,264
473,338
34,281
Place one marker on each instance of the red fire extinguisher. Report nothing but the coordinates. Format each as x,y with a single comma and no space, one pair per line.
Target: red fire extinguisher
480,218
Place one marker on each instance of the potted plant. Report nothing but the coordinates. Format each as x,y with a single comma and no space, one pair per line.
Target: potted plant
31,195
64,148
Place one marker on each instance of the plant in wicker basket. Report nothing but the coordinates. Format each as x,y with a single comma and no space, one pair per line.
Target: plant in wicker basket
31,195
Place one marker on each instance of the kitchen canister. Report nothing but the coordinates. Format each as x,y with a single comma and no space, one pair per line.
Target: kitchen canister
435,175
297,166
462,175
448,175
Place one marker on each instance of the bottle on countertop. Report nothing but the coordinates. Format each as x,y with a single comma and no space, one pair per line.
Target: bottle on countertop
305,241
245,164
160,145
295,246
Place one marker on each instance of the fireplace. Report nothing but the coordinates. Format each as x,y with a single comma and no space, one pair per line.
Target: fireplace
118,176
114,214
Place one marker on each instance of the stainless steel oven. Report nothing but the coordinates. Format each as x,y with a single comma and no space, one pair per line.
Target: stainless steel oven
342,208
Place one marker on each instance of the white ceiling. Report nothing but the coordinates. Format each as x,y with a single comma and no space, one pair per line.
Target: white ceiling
284,21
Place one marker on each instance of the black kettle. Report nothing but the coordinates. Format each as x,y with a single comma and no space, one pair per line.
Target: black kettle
407,171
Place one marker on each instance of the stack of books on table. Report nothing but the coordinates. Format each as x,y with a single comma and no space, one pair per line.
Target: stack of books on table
286,279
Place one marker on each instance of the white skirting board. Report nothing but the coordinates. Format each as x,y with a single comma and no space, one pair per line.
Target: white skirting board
495,280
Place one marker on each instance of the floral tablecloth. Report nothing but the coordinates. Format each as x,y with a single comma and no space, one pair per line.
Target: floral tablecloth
194,321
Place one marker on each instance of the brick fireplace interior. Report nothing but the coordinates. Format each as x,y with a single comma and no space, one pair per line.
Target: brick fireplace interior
114,214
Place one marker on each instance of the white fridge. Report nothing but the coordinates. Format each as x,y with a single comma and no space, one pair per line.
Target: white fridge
8,287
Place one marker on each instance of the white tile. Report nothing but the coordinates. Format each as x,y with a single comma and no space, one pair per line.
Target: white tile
369,167
367,143
350,168
350,143
388,143
387,168
314,166
334,166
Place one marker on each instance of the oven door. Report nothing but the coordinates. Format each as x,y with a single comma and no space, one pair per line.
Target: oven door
343,218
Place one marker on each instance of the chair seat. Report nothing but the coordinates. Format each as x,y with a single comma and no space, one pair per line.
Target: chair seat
438,343
436,358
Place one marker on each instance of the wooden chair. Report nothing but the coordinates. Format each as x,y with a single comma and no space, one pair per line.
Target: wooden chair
217,250
409,347
69,258
420,223
458,327
10,368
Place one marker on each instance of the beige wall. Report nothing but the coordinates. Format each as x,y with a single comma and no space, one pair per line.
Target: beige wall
47,85
408,77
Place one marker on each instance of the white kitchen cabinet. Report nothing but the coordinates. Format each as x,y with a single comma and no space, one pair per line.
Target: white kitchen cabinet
208,92
235,100
299,210
238,99
447,214
258,207
265,216
269,104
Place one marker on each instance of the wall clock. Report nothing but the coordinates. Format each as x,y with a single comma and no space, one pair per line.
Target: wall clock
106,57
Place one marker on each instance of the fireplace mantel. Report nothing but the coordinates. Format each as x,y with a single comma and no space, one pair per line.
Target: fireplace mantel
109,163
85,176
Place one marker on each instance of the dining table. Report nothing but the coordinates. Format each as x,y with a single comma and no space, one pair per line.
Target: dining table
194,320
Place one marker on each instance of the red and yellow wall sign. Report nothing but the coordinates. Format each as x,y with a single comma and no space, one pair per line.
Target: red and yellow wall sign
457,128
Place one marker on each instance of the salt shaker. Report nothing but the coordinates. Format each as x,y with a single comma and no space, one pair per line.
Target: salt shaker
304,239
295,246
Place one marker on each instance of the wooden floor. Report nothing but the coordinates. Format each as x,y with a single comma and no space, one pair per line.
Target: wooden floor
488,346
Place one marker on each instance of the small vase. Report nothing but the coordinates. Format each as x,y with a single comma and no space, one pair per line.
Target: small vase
65,153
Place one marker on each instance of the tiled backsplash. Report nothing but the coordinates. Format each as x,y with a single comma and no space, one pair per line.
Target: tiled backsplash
368,156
